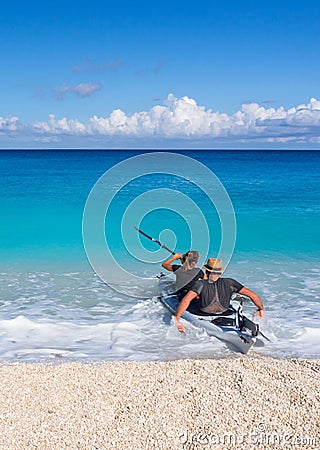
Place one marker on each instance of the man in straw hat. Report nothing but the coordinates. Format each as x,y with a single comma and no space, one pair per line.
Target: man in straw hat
215,293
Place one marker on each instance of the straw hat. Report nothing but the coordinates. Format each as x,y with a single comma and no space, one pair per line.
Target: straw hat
214,265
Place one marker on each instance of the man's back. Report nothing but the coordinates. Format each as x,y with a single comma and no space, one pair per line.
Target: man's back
215,295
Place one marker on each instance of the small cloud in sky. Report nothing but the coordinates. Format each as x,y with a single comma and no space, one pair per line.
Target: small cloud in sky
91,66
158,67
40,94
9,124
81,90
155,69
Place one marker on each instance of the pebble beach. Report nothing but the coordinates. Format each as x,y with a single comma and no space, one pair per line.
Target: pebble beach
251,402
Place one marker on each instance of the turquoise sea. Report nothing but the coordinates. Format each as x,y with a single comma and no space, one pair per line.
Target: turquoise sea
55,304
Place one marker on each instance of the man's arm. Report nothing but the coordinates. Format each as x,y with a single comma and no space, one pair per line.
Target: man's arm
256,300
167,264
183,305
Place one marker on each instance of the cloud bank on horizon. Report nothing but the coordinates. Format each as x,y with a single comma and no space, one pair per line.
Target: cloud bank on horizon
178,120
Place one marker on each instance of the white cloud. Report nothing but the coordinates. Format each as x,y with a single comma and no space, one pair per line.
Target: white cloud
59,127
182,119
81,90
9,124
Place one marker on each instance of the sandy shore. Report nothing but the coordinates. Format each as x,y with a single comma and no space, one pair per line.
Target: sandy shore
243,403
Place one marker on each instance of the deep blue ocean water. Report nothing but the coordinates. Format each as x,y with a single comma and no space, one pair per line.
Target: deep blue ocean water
54,305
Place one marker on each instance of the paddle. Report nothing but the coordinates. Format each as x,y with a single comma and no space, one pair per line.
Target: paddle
154,240
264,336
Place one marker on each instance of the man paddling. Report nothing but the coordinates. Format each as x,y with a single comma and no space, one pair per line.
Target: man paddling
215,293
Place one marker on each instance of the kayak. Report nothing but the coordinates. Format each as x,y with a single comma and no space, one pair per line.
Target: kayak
233,328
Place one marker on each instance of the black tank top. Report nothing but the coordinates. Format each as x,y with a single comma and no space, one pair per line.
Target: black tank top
215,296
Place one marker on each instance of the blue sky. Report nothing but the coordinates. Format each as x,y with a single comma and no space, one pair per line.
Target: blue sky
107,74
